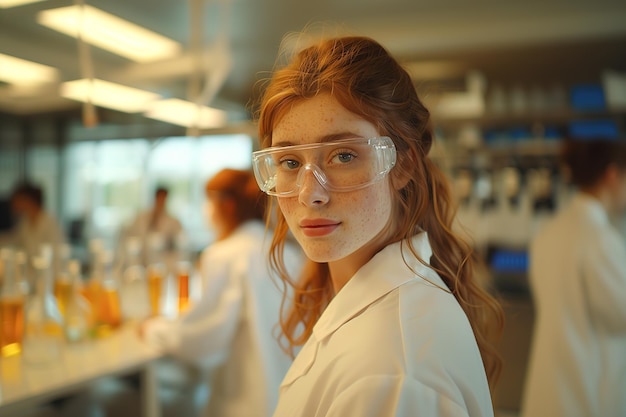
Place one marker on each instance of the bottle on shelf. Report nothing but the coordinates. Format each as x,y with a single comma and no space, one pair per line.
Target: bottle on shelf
110,309
92,288
134,287
62,283
156,272
79,316
101,290
23,274
183,272
12,304
43,335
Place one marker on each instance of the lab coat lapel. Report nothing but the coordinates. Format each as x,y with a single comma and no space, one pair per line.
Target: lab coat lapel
302,363
386,271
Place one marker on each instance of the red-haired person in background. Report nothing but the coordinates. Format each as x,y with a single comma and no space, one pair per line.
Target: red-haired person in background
231,328
391,316
578,279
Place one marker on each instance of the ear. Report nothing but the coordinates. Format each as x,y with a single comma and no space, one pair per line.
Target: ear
612,175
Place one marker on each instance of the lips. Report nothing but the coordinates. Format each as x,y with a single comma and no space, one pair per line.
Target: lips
318,227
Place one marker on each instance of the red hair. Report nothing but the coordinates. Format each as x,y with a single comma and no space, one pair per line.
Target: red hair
239,186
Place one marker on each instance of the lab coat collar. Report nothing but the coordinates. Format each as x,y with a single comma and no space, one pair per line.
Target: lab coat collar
592,206
249,226
386,271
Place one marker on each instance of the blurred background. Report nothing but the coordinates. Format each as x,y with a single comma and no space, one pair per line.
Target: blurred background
171,102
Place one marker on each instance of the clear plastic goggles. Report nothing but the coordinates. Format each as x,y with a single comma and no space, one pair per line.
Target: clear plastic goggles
342,165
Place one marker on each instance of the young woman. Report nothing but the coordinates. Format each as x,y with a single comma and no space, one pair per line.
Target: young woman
577,363
391,317
231,328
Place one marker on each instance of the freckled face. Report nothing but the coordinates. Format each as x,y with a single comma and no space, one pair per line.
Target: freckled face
357,218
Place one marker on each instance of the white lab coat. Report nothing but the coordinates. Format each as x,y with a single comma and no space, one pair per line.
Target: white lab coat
232,326
392,342
31,236
166,226
578,278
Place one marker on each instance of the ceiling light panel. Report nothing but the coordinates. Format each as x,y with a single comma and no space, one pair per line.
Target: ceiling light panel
109,95
19,71
186,113
5,4
110,32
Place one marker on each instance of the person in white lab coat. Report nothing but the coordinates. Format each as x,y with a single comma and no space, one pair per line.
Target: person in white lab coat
156,221
577,362
388,310
35,226
230,329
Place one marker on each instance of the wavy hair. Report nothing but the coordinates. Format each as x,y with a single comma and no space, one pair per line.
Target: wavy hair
369,82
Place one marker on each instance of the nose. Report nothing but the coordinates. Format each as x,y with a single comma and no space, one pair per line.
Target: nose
312,192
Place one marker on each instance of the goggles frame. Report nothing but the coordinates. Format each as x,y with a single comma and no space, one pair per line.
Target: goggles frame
383,148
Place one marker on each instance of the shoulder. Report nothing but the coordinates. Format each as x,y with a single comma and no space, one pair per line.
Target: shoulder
433,323
413,327
420,331
248,241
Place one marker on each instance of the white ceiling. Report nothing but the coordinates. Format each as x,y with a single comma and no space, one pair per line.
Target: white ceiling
497,37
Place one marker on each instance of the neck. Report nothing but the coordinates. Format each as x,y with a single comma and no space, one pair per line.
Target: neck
226,230
340,274
343,270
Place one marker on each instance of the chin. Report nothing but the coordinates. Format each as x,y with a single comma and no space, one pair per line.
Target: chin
320,255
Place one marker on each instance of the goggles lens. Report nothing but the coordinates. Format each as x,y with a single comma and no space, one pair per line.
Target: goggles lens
342,165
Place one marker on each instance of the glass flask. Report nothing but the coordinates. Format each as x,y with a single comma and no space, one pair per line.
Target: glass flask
43,335
102,291
156,271
79,317
12,303
23,273
134,288
182,276
183,273
62,282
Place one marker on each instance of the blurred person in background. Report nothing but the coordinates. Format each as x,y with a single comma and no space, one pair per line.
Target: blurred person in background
7,222
156,221
35,226
230,329
577,362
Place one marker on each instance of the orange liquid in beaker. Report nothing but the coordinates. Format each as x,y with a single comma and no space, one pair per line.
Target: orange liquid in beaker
63,293
155,288
183,291
11,326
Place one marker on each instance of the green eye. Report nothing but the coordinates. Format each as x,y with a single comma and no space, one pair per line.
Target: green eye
289,164
343,157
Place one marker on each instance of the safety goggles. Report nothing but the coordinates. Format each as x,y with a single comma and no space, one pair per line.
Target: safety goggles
341,165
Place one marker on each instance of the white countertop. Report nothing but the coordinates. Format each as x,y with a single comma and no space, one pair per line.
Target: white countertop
120,353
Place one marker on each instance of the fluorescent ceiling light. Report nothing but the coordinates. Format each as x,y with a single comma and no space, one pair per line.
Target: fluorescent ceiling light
188,114
109,32
110,95
5,4
19,71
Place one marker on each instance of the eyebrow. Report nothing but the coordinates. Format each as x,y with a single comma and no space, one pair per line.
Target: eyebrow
327,138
